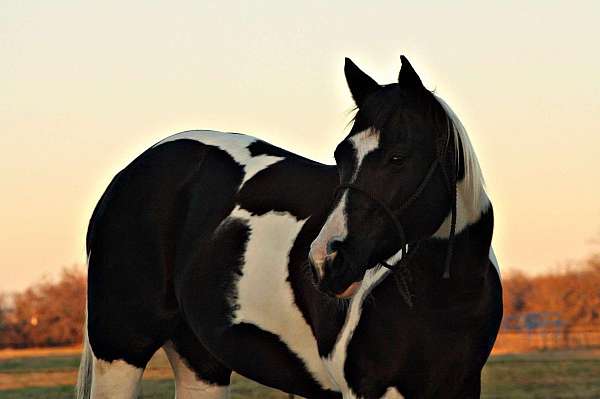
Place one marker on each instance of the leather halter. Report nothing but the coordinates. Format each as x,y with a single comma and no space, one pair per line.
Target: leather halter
450,183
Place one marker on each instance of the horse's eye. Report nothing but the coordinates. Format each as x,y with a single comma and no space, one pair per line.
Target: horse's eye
397,159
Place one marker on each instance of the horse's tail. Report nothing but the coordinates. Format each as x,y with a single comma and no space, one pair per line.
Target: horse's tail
83,389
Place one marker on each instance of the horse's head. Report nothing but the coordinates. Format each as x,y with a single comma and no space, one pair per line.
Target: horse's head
391,192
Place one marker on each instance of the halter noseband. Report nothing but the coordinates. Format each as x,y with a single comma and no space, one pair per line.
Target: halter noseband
450,183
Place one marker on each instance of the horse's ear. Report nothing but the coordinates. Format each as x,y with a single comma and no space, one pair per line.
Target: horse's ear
408,78
360,84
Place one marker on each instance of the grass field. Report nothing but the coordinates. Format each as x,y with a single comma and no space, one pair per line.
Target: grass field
564,374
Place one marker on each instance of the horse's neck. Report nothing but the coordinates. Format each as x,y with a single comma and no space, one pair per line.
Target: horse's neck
469,265
469,209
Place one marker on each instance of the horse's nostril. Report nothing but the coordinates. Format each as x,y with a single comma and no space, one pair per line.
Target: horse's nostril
333,245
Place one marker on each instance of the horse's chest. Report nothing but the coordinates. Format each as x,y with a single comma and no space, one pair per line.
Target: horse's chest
263,295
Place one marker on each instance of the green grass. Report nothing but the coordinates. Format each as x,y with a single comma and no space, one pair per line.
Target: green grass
567,374
153,389
150,389
44,363
46,393
542,375
241,388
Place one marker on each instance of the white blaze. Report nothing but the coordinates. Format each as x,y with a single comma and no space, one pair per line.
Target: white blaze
364,143
336,226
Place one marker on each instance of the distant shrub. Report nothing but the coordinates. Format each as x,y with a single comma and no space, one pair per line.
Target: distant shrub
573,294
46,314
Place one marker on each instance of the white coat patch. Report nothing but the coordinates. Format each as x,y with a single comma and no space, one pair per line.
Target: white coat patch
392,393
468,211
187,383
264,294
234,144
337,359
116,379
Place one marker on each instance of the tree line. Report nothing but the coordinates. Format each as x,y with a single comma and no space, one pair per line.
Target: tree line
52,313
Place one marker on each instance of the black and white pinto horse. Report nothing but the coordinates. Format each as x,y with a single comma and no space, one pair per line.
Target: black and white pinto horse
372,278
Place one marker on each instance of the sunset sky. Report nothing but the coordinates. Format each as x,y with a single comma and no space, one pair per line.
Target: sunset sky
86,86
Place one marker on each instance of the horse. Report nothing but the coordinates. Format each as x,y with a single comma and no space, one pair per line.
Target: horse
370,278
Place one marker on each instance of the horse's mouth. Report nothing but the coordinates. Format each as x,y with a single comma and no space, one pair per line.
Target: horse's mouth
354,286
350,291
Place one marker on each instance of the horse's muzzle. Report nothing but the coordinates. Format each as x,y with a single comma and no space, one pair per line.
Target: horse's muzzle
334,276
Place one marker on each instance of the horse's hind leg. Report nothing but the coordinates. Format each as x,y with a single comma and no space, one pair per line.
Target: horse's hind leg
188,385
99,379
118,358
198,375
127,323
117,379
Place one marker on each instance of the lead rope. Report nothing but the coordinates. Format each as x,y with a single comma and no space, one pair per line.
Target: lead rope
402,275
451,187
450,249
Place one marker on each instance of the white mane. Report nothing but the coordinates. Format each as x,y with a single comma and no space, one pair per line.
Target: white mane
472,199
